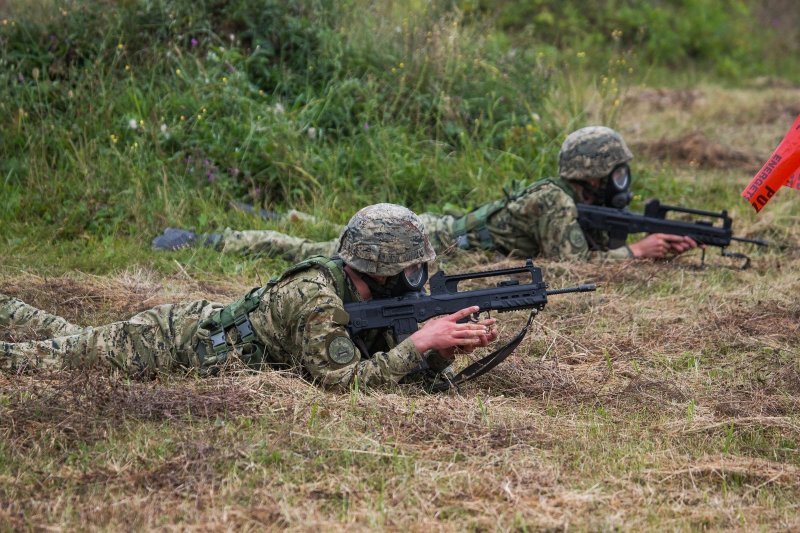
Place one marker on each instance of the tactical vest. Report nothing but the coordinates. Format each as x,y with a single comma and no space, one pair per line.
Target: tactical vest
237,314
475,221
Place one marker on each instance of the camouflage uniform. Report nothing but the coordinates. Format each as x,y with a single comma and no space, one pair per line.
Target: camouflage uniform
273,244
277,244
295,321
299,323
17,314
543,221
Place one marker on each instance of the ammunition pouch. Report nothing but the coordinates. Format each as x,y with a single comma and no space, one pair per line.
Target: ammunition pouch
230,327
475,221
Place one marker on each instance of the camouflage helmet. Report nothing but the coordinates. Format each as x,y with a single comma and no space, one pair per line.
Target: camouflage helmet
591,152
384,239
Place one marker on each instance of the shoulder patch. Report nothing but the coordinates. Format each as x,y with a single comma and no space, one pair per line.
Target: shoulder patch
341,317
340,348
576,237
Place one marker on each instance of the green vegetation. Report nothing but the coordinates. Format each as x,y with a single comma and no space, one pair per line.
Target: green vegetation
120,118
732,39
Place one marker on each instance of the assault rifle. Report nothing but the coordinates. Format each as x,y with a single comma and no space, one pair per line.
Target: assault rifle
618,223
403,314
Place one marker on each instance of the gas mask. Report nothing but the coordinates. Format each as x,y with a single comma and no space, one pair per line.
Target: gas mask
411,279
618,188
614,190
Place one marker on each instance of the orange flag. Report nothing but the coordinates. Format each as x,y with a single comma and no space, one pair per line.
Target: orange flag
779,170
794,180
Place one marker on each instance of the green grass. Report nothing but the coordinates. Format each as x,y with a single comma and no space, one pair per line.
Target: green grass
123,119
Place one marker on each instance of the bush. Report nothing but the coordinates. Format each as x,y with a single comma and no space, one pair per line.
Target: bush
258,99
725,35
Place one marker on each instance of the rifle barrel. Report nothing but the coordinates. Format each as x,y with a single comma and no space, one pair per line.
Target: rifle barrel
760,242
585,287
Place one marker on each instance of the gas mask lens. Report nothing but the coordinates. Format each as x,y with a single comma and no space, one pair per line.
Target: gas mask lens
415,276
621,178
618,188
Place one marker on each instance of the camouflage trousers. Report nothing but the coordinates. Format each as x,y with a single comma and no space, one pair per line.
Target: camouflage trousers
159,339
294,249
273,244
17,314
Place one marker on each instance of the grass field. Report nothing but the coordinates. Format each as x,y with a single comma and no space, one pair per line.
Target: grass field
668,399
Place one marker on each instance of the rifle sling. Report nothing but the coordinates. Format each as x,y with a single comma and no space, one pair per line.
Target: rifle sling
485,364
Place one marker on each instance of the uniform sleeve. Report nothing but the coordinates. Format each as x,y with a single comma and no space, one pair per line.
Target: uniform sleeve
273,244
329,355
561,235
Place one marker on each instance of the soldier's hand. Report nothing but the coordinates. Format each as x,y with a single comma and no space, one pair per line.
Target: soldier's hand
678,247
446,333
484,340
659,245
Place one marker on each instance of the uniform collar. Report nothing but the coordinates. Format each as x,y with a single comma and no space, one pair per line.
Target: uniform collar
566,187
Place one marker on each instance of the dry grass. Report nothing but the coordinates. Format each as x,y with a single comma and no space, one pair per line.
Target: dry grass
669,399
696,150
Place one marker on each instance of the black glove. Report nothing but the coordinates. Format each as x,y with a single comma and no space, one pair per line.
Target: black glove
174,239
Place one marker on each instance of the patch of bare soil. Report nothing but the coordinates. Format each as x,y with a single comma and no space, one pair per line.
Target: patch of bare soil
68,407
696,150
76,299
655,393
660,99
93,300
766,321
777,111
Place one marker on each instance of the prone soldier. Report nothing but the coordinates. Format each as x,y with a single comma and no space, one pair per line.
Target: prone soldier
538,221
298,320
